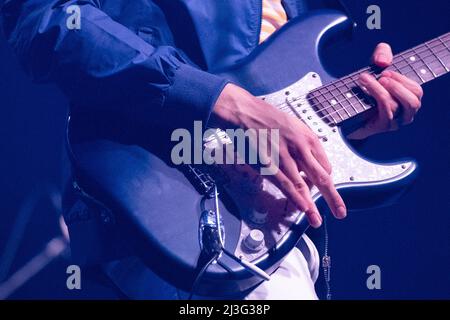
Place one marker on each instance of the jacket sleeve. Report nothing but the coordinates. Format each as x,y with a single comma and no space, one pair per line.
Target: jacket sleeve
105,65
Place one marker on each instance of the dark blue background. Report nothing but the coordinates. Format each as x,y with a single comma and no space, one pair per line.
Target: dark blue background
410,240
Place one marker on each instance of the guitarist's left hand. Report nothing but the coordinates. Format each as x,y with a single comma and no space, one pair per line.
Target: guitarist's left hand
394,93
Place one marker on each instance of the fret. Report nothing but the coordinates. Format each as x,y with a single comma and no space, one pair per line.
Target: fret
331,106
343,98
322,106
435,64
352,96
423,54
424,71
444,56
361,98
356,76
445,37
438,46
414,77
432,59
428,44
399,65
395,67
444,53
335,101
357,91
427,61
353,87
409,66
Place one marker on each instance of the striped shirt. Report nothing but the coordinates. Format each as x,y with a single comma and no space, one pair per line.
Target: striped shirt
273,17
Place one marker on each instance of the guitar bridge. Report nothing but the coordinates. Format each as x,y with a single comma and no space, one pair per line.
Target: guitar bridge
200,179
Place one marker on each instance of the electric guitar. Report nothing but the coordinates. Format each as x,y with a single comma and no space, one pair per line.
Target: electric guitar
178,213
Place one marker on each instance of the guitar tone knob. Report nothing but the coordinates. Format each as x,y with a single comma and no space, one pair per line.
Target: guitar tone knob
259,217
254,240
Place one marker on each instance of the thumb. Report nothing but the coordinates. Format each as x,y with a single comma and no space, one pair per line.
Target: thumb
364,132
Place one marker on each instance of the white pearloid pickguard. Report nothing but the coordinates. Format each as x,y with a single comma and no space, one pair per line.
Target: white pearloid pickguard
250,192
348,167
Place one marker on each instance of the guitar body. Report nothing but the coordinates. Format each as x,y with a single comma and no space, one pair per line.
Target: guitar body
163,209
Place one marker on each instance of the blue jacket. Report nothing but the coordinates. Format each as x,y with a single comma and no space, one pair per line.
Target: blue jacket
151,60
133,61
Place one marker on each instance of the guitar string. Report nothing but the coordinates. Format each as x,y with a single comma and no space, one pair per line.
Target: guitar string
400,55
351,107
343,110
357,95
428,50
288,106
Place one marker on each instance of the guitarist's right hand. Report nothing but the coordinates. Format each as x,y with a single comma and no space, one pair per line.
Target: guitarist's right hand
299,150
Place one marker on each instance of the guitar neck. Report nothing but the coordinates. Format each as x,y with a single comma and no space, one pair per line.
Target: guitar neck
343,99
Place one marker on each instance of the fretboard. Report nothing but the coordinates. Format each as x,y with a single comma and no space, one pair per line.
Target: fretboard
343,99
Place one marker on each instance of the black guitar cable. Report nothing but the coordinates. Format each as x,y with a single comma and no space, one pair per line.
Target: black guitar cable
211,237
201,272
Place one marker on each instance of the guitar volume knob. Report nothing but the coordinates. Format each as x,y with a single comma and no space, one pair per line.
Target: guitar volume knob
254,240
